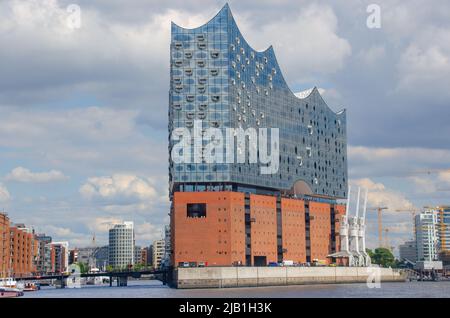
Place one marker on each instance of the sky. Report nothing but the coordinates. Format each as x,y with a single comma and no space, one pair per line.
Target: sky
83,108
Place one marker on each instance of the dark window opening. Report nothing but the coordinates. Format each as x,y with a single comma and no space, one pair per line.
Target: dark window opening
259,260
196,210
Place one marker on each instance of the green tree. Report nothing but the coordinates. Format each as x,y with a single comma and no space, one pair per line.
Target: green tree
83,267
383,257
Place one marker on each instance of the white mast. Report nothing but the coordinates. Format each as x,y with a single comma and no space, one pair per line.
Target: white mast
362,233
354,231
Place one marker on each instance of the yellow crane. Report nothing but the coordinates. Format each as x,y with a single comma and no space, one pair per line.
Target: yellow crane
379,210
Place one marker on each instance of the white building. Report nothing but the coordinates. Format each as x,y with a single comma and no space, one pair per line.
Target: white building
167,247
121,245
427,235
158,253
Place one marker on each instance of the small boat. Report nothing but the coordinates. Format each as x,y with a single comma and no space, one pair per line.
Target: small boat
6,292
31,286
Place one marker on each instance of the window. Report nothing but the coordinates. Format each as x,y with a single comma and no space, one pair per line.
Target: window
196,210
215,54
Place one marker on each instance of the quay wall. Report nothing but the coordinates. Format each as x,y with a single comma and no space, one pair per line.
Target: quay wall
229,277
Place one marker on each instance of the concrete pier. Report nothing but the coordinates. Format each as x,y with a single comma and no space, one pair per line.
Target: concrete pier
228,277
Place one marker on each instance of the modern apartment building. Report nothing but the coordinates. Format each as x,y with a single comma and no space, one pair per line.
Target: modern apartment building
121,245
443,228
158,253
43,263
167,246
433,233
59,256
427,236
140,256
249,207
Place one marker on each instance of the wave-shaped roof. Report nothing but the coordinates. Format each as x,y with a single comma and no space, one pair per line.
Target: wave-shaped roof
226,12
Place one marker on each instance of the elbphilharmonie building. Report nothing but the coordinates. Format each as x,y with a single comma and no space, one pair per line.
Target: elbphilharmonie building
221,82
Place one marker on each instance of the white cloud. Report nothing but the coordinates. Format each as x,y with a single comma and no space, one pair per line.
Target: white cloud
21,174
87,139
424,66
103,224
306,46
380,196
148,232
381,161
4,194
123,191
372,55
61,233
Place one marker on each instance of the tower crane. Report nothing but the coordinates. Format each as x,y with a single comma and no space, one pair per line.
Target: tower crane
379,210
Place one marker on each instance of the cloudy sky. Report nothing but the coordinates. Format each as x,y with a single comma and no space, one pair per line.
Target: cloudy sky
83,132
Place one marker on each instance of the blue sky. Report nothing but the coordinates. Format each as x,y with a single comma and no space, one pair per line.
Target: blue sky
83,138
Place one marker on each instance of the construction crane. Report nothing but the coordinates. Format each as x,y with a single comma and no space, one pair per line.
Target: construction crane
380,224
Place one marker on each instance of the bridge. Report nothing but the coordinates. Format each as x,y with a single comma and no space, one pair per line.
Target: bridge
121,276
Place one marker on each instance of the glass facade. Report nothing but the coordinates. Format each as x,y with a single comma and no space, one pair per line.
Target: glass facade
218,78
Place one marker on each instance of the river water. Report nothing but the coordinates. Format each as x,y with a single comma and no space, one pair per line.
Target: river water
154,289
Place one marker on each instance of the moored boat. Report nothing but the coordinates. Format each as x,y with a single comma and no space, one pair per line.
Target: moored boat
31,286
6,292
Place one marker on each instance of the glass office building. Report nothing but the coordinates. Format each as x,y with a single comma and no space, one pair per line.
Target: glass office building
218,78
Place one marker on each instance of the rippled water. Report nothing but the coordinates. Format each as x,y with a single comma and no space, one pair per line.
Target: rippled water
149,289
